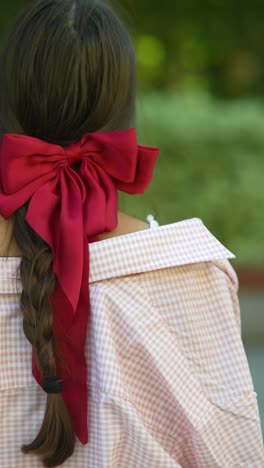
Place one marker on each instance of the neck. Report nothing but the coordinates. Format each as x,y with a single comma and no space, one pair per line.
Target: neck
126,225
8,248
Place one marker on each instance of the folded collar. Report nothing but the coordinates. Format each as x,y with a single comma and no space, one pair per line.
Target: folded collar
176,244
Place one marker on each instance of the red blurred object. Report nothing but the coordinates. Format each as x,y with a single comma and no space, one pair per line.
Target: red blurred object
250,277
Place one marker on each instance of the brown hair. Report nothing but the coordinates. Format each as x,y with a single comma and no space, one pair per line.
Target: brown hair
67,68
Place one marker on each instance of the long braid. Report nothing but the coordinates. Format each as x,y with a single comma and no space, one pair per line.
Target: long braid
55,440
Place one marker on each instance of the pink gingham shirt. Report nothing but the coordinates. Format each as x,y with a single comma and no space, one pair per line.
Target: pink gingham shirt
169,382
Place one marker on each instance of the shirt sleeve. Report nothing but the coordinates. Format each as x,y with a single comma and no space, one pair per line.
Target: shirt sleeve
193,379
229,433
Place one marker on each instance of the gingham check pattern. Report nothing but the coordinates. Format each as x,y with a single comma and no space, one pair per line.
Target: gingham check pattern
169,382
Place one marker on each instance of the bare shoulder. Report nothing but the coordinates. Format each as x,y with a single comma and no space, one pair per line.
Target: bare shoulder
126,225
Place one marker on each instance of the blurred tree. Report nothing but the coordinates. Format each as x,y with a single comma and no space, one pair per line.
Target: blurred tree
212,44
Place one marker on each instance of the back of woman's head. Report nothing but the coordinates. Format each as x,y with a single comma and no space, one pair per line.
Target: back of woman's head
67,68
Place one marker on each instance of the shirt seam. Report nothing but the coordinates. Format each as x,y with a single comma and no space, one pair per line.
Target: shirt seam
231,279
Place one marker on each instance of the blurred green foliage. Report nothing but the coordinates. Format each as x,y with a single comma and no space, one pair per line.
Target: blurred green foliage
215,45
211,166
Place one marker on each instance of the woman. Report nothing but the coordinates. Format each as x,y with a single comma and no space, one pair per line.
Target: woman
145,367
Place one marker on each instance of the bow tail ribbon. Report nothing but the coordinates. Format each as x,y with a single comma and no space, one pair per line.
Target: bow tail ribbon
70,350
78,221
63,200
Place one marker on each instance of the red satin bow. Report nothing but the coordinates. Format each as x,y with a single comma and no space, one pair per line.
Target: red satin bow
68,209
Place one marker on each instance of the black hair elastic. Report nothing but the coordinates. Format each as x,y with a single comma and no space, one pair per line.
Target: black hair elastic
52,385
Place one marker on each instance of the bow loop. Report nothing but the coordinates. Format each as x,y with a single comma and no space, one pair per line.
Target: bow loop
67,209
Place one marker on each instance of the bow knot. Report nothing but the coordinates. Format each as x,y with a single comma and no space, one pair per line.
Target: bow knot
73,154
73,160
